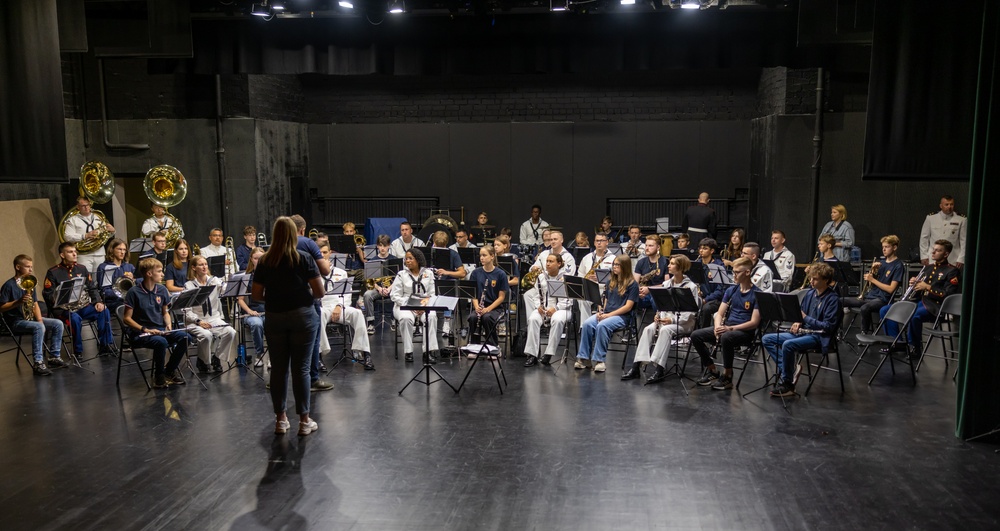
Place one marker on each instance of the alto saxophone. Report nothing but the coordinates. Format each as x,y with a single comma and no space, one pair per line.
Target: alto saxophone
644,279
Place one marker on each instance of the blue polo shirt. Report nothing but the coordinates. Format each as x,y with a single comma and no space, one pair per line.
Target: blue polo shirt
309,247
741,305
147,306
12,292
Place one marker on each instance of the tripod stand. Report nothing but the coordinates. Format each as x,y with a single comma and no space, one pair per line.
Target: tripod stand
677,301
577,288
238,285
434,304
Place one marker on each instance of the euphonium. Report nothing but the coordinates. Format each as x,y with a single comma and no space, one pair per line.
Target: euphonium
28,283
97,184
867,285
384,282
121,286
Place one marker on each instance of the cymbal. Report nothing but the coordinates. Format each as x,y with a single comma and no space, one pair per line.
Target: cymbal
484,226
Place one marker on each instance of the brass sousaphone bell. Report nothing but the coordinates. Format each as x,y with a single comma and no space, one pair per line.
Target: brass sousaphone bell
97,184
166,186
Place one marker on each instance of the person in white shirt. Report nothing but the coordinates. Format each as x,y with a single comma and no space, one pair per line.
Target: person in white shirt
338,309
159,221
206,323
760,275
658,335
405,242
531,230
783,259
944,225
556,310
215,248
85,226
532,297
599,258
462,240
412,284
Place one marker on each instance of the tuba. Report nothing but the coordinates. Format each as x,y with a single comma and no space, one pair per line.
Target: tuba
165,186
28,283
97,184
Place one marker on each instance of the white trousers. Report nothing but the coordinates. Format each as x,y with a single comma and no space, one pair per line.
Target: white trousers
353,318
661,348
556,325
221,339
404,323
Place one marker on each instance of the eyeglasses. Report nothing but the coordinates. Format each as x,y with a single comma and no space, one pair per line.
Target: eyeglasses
740,271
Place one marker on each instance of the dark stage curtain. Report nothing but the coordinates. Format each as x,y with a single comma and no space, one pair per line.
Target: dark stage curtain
921,104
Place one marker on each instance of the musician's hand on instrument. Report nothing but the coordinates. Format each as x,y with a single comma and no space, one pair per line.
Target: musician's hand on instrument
542,311
418,313
643,291
721,329
913,281
795,328
206,325
26,299
550,312
128,274
922,286
335,316
99,307
925,262
252,313
423,302
869,277
109,227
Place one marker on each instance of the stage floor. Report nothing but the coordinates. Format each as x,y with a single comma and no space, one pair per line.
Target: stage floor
558,450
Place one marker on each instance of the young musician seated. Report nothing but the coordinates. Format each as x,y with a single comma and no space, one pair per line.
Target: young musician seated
502,247
824,247
531,297
760,275
176,272
530,233
456,270
734,249
663,330
650,270
253,312
462,241
580,241
634,246
206,323
621,295
492,291
406,241
338,309
683,240
148,318
557,310
938,280
246,248
783,260
159,248
711,292
735,323
821,314
113,268
355,260
605,227
24,320
379,292
89,308
414,282
884,282
600,258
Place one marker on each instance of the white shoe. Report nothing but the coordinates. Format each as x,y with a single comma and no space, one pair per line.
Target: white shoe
305,428
579,364
600,367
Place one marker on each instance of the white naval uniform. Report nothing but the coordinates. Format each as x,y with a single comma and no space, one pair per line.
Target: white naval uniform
684,325
528,230
936,227
586,262
785,262
210,250
152,225
398,249
221,337
76,227
403,286
532,297
761,277
350,316
558,320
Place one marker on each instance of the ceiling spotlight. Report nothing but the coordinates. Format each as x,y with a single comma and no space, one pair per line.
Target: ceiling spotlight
261,9
628,2
277,5
694,4
558,5
396,7
345,4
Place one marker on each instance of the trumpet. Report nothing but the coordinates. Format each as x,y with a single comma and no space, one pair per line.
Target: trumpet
867,285
28,283
921,276
805,281
359,240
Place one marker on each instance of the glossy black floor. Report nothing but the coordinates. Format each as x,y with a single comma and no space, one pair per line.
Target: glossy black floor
558,450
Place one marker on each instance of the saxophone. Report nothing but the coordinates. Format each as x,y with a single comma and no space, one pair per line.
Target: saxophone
644,279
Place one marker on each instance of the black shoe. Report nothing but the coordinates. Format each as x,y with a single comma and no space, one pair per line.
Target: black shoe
175,378
448,352
369,366
160,381
658,376
78,356
216,364
429,359
106,349
546,360
898,347
321,385
56,362
202,367
914,353
783,389
408,356
41,370
708,378
633,372
724,383
322,367
531,361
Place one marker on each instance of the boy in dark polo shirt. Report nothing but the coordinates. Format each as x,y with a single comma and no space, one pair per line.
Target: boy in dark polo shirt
148,316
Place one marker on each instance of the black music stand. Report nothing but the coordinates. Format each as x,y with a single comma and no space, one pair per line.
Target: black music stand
460,289
339,260
104,277
674,300
192,298
217,265
68,292
510,267
440,258
775,274
434,304
140,246
382,268
340,288
371,252
237,286
615,249
579,253
343,244
577,288
697,272
774,308
469,255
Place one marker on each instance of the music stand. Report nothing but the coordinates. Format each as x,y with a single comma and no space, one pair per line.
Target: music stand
774,308
238,285
577,288
615,249
469,255
579,253
440,258
460,289
434,304
68,292
602,276
717,274
343,244
139,246
379,269
104,277
339,288
192,298
217,265
371,252
675,300
697,273
774,269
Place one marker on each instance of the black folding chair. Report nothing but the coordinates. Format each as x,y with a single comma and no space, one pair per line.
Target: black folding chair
951,310
6,330
899,313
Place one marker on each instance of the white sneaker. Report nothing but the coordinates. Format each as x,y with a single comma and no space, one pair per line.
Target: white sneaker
371,329
305,428
579,364
798,371
600,367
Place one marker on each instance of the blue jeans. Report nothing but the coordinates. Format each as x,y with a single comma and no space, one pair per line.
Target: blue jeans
256,324
176,341
89,313
290,337
790,345
596,335
314,365
38,331
914,333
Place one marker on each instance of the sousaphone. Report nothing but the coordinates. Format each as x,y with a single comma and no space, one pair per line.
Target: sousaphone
166,186
97,184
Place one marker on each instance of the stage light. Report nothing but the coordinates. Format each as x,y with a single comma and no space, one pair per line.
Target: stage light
558,5
690,4
345,4
277,5
261,9
396,7
628,2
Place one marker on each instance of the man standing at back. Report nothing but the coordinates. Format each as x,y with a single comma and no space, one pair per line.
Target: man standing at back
309,247
944,225
699,220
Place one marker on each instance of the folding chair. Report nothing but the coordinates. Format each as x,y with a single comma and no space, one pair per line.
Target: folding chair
824,361
951,309
493,353
899,313
629,335
6,330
